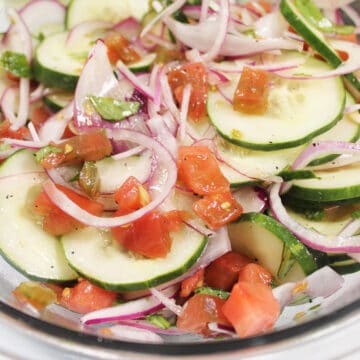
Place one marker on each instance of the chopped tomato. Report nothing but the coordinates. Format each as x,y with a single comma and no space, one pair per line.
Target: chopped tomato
194,74
200,172
255,273
199,311
147,236
131,195
39,115
57,222
224,271
266,5
348,37
252,92
21,134
191,283
118,48
217,209
90,146
251,308
174,219
85,297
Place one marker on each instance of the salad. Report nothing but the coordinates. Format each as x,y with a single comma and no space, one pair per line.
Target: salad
172,167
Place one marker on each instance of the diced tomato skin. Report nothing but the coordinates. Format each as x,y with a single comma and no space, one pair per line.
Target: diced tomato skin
191,283
251,308
200,172
266,5
85,297
199,311
217,210
174,219
350,37
194,74
39,115
252,92
21,134
147,236
224,271
255,273
119,48
91,146
129,195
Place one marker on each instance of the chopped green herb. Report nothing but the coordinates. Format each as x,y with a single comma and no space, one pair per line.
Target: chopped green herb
46,151
287,262
301,299
313,14
206,290
314,307
159,321
315,215
16,64
356,214
114,110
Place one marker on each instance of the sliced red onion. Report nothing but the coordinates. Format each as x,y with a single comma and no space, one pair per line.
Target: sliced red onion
322,148
224,95
131,152
352,64
24,144
249,199
167,301
37,94
4,18
270,26
176,5
79,32
199,227
184,111
54,127
352,14
9,102
168,97
162,134
163,184
352,108
131,333
129,27
130,310
218,329
97,78
350,229
321,283
141,324
18,38
38,13
308,236
222,23
134,80
201,36
340,161
157,40
24,104
355,256
170,122
155,86
332,4
33,132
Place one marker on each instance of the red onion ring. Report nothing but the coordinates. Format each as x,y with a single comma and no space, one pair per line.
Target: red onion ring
167,301
184,112
133,333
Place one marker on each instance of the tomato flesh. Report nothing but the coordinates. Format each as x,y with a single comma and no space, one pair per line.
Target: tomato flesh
200,172
191,283
255,273
85,297
224,271
21,134
57,222
119,48
39,115
252,92
251,308
199,311
194,74
217,209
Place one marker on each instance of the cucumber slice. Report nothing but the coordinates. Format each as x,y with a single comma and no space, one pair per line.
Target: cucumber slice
316,40
144,64
262,238
330,186
55,65
107,10
137,166
97,257
297,112
23,243
58,99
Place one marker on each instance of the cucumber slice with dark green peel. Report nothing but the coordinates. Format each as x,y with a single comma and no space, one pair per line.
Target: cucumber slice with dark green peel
297,111
144,64
97,256
269,243
57,100
107,10
331,186
23,243
291,10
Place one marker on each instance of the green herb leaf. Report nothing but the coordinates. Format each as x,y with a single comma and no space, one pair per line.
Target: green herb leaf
159,321
207,290
46,151
16,64
356,214
313,14
114,110
315,215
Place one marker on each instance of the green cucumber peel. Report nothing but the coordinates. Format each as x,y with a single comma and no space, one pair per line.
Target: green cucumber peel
16,64
112,109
